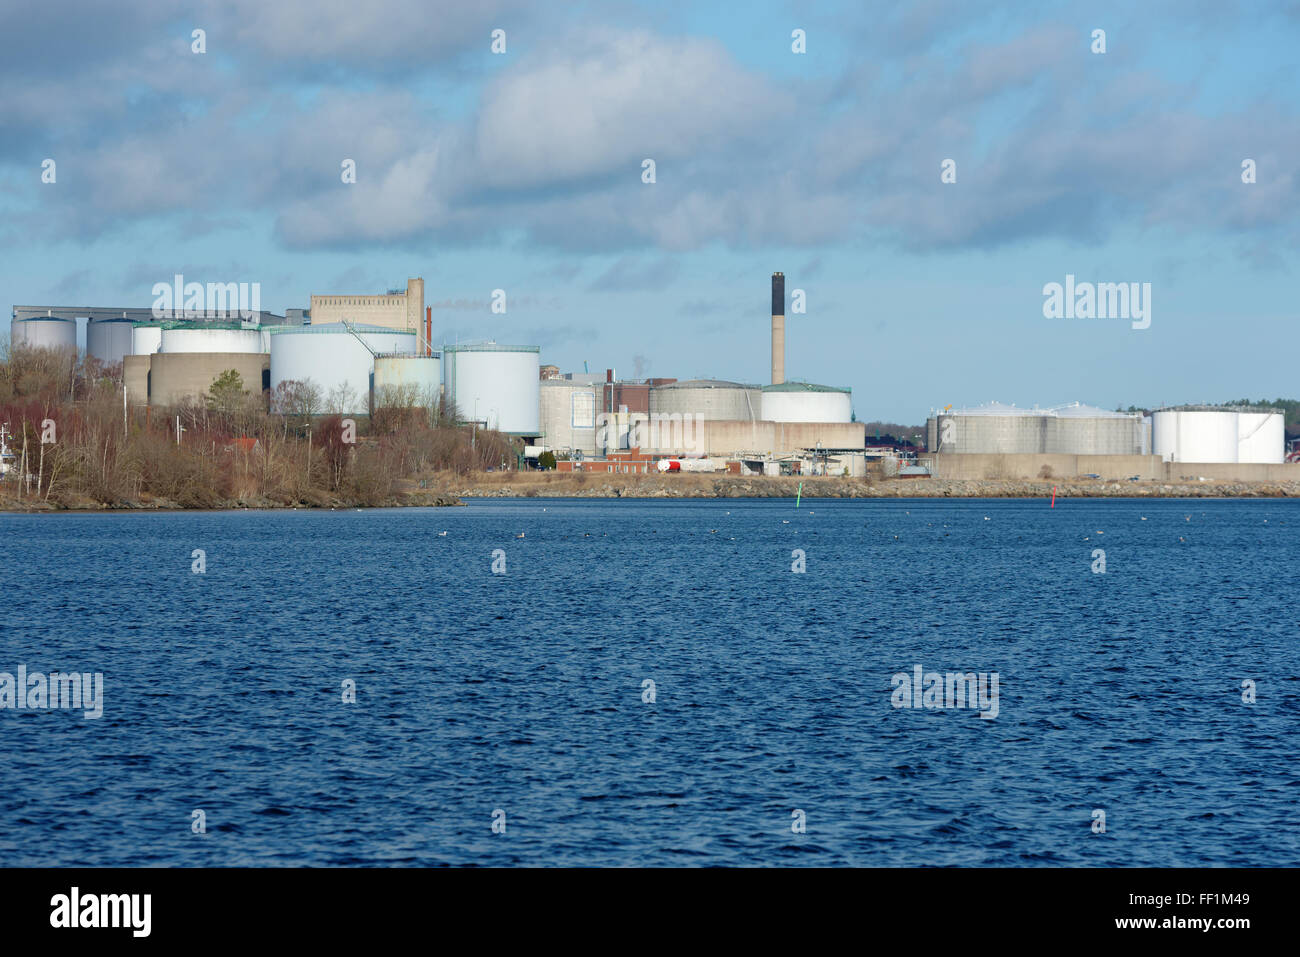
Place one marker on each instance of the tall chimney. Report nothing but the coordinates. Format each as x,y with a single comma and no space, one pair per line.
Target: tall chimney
778,328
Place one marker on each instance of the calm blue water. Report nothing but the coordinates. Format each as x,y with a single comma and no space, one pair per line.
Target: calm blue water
523,692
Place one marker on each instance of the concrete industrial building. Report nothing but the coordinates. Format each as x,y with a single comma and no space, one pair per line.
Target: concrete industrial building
392,310
172,378
568,416
1075,429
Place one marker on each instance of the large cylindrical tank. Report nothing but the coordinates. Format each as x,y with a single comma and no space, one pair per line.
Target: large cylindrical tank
1261,437
1182,435
109,340
407,380
146,338
334,360
714,399
210,338
495,384
1218,435
47,333
1079,429
805,402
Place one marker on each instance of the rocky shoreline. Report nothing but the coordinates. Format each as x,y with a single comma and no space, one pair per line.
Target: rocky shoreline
442,492
419,499
620,486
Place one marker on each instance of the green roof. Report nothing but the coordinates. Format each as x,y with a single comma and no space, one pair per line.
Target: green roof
489,347
804,387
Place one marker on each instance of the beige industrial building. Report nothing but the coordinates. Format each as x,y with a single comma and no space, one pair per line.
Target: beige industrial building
392,310
568,415
171,378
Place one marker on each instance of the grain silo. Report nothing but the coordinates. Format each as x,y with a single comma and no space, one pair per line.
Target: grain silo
495,384
109,340
1212,434
337,359
805,402
407,380
714,399
221,337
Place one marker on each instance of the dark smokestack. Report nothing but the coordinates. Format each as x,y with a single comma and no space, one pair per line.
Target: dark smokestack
778,328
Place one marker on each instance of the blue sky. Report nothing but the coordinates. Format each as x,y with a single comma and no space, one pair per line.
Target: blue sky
522,171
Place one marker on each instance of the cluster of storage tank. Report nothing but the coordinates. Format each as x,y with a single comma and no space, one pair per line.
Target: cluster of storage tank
719,400
496,385
1073,429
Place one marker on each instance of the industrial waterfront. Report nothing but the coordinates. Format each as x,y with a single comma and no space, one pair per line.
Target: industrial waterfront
362,375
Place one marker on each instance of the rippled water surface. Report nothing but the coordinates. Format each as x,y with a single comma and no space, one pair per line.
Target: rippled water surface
523,692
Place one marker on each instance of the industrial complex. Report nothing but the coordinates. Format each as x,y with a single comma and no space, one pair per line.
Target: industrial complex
363,352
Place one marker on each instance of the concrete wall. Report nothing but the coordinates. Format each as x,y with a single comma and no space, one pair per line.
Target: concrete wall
135,372
727,438
1148,467
556,409
177,376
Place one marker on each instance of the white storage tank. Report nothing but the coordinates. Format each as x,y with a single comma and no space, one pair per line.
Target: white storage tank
146,338
1212,435
46,333
715,399
210,337
495,384
334,360
1261,437
805,402
109,340
407,379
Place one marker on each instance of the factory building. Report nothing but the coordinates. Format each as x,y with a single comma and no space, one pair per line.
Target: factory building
1076,429
392,310
1213,434
495,385
568,416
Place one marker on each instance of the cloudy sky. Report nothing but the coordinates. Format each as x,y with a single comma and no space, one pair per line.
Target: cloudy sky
523,171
